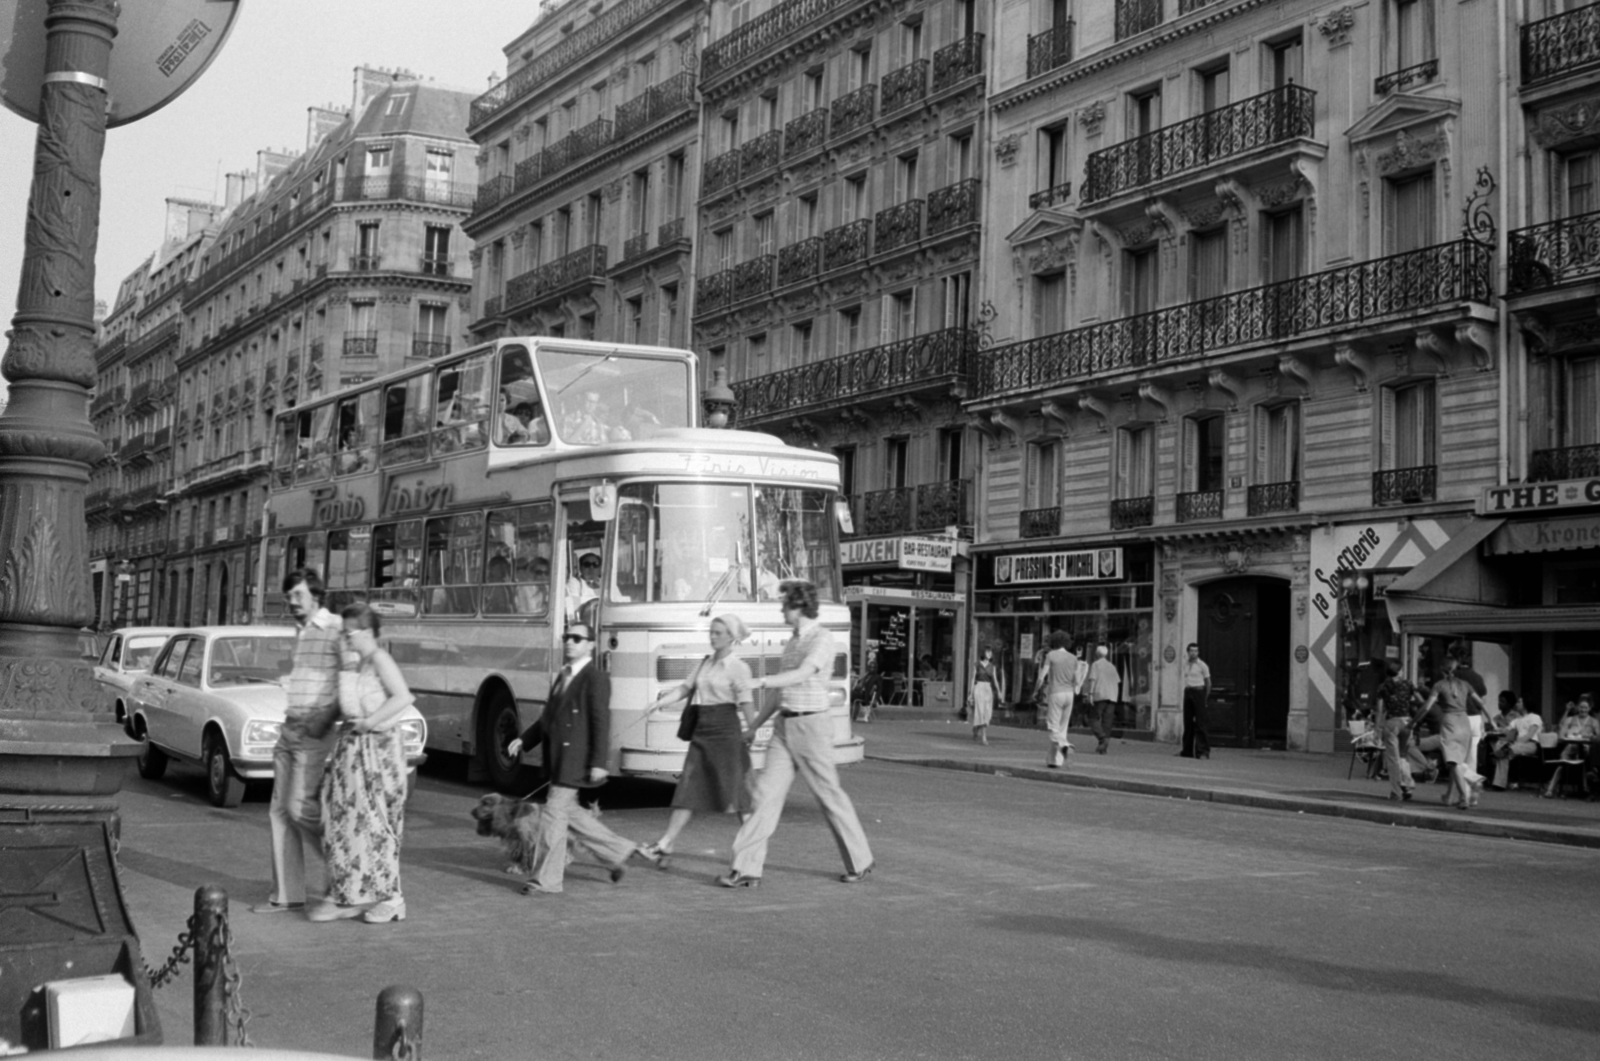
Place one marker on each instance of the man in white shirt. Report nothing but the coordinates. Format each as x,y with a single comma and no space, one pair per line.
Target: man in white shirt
1058,676
1196,691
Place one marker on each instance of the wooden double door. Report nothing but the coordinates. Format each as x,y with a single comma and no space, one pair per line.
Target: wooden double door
1244,635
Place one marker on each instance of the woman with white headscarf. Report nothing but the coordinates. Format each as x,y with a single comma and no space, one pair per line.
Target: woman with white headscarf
718,761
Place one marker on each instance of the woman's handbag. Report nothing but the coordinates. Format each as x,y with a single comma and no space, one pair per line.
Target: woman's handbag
691,710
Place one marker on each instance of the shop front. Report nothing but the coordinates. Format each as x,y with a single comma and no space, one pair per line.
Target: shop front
907,598
1097,595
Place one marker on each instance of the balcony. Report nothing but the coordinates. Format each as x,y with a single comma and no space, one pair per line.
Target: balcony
364,263
760,153
946,504
1265,499
491,305
635,246
135,451
1405,486
1552,253
357,344
1058,194
590,138
429,347
806,132
415,189
1136,16
106,400
1274,117
905,86
1130,512
751,279
853,110
491,191
1572,462
1050,49
800,261
672,96
885,511
1040,522
761,32
435,265
141,398
898,226
939,361
1200,505
1419,74
846,245
669,232
720,173
1561,44
584,265
955,63
953,206
1442,275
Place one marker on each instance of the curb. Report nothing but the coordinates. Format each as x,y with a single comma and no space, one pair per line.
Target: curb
1541,834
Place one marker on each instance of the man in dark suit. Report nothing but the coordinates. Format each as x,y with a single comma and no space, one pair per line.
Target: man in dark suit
575,731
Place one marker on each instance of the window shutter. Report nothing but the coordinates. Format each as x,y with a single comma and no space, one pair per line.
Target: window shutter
886,319
1386,428
1263,425
1032,475
1428,421
1123,462
1291,441
1191,445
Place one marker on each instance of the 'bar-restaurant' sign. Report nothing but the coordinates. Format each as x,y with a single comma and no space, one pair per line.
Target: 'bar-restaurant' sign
1538,497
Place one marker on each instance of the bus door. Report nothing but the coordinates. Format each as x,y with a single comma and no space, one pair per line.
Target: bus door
583,552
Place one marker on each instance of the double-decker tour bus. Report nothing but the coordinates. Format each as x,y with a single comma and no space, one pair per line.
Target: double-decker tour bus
481,501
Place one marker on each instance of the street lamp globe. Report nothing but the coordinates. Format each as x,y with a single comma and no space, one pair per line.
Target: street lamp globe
719,401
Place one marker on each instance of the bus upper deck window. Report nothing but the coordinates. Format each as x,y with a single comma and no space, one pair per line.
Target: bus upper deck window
288,450
406,411
354,430
315,444
462,418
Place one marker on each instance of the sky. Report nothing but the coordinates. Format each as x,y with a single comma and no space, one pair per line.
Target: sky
282,56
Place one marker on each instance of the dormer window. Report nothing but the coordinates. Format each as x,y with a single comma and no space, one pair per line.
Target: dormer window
379,158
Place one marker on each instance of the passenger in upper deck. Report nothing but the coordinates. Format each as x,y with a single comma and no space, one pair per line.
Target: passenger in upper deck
582,421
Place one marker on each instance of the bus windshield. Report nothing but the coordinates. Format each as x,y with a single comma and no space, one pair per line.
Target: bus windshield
614,398
721,541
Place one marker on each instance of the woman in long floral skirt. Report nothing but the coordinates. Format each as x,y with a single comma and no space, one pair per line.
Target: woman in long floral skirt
364,786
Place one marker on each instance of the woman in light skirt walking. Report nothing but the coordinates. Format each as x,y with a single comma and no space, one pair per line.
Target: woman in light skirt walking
988,689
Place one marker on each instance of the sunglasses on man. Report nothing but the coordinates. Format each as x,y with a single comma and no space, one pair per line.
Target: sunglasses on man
576,638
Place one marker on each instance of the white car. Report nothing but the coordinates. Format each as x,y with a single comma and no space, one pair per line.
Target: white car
214,697
128,653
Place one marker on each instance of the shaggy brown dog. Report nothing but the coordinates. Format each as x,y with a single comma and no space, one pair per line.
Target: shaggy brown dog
515,823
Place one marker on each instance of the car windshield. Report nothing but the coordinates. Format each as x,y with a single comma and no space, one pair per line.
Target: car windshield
246,659
141,652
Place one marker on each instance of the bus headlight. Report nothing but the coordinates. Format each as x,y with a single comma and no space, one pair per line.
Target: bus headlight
259,738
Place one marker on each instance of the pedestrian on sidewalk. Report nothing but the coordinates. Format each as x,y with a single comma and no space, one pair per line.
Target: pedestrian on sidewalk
1451,694
575,730
1058,678
304,741
718,762
988,689
802,743
1397,698
364,787
1103,691
1196,691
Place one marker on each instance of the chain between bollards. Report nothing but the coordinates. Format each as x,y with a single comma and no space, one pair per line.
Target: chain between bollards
397,1032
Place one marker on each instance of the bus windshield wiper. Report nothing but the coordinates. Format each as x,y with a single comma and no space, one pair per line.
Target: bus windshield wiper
721,587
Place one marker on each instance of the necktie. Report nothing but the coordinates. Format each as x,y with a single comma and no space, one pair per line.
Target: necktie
563,678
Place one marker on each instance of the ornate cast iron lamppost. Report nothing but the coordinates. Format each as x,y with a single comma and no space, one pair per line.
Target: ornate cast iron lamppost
719,401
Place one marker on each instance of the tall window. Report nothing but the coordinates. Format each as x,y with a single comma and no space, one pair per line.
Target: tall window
811,91
364,318
1052,156
1208,263
1412,32
367,243
951,453
1043,472
805,216
956,292
896,462
1411,220
906,177
639,202
633,314
847,469
722,243
855,197
960,157
730,130
1135,461
379,158
1142,274
800,344
1278,443
1578,422
1286,62
1283,247
910,41
860,69
672,194
1575,175
430,322
668,335
767,112
900,316
441,164
849,336
764,233
1408,429
1214,84
436,250
596,207
1050,303
1205,452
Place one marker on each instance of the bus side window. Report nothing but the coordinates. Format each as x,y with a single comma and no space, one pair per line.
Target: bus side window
453,562
462,419
406,410
316,444
288,449
517,574
346,571
353,430
396,562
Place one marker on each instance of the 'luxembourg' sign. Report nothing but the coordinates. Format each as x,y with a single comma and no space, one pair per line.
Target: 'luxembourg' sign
908,554
1538,497
1073,565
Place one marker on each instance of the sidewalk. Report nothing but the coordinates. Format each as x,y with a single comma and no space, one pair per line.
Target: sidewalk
1289,781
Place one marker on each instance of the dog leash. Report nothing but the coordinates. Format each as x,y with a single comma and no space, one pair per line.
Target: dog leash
534,793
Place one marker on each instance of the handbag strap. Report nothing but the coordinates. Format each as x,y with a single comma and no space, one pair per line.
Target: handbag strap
694,681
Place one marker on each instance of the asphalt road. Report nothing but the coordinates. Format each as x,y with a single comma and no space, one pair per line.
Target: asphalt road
1006,918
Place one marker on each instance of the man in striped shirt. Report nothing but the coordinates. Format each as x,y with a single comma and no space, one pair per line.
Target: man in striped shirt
298,760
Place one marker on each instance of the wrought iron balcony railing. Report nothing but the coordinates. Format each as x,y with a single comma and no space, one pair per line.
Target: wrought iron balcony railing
634,246
1552,253
1187,6
1199,505
713,292
1264,499
1459,271
1561,44
429,346
1040,522
669,232
1136,16
905,86
417,189
800,261
655,103
1274,117
720,172
583,264
491,191
752,278
563,56
886,511
937,359
760,153
898,226
956,62
846,245
590,138
953,205
1128,512
364,263
762,31
1405,486
1419,74
946,504
491,305
1572,462
141,395
1060,193
805,132
853,110
1050,49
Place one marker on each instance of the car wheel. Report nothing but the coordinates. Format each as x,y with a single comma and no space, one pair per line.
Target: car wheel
500,725
152,760
223,787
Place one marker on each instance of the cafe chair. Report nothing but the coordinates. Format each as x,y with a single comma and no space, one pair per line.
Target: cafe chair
1366,744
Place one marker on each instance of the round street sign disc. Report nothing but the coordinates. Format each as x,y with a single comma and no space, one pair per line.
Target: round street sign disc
160,48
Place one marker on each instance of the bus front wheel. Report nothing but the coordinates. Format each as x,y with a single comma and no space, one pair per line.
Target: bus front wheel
500,725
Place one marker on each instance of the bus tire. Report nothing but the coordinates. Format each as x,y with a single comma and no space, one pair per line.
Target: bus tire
499,723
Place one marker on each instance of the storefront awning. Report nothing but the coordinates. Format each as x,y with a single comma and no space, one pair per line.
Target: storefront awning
1498,624
1453,580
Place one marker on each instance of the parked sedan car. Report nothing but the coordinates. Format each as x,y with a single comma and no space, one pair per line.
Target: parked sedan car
214,697
128,653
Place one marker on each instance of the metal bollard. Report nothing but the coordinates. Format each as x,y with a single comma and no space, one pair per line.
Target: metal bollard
210,957
398,1030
